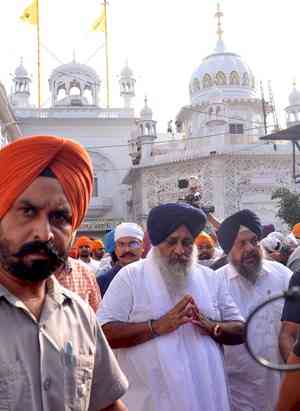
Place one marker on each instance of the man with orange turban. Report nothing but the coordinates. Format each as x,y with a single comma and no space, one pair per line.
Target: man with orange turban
207,252
98,250
85,248
51,336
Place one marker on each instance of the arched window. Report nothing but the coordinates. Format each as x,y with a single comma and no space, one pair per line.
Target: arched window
220,78
234,78
245,79
207,81
196,84
61,93
74,91
88,95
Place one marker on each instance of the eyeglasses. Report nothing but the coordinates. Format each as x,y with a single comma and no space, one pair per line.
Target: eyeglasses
134,244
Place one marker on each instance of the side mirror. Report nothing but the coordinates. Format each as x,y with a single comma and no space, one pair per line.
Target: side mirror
262,314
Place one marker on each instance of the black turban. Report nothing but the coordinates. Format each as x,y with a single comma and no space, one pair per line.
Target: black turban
164,219
229,229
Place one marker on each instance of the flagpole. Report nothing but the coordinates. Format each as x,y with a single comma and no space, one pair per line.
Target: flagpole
38,53
106,56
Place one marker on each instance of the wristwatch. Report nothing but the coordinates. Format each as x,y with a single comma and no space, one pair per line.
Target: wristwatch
217,330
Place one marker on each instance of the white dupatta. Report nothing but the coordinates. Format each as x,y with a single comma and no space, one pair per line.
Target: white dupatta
191,364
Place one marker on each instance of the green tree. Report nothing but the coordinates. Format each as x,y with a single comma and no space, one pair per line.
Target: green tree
288,204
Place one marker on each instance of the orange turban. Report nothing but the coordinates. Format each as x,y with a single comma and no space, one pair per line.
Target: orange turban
204,238
97,245
84,242
296,230
25,159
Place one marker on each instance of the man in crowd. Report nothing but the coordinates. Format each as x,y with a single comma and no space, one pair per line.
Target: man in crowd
289,395
207,252
77,277
290,325
251,280
53,355
85,248
128,239
167,317
98,250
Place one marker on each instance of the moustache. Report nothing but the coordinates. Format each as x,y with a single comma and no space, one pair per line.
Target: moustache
128,255
47,248
251,255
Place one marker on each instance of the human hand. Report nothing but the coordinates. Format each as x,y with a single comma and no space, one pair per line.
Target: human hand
205,325
181,313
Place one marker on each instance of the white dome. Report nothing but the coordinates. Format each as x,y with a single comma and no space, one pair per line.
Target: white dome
21,71
294,97
225,70
126,72
75,69
146,112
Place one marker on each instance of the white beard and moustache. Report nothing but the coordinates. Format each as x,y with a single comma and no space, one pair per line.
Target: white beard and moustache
175,276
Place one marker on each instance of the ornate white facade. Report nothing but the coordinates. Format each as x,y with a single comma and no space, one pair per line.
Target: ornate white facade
75,113
217,140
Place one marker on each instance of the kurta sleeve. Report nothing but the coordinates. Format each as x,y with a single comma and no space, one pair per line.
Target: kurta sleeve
229,310
117,302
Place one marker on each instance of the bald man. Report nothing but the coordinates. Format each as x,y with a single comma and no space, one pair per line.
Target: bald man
53,355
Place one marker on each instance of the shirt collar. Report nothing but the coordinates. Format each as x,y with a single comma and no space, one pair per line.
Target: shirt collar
54,290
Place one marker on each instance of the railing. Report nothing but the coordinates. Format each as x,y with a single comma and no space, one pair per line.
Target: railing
82,111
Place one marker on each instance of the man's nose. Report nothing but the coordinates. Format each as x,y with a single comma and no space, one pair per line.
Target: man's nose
43,230
249,246
179,248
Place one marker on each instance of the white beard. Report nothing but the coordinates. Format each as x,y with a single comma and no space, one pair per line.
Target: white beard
175,276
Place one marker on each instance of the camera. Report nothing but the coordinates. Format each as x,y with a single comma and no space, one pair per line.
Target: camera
193,197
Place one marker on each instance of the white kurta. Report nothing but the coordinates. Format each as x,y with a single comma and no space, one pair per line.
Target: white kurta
180,371
253,387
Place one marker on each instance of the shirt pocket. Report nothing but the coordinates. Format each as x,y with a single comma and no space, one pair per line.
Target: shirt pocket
15,387
78,377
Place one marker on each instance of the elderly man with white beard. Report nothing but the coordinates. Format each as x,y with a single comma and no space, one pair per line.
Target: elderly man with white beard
167,318
252,280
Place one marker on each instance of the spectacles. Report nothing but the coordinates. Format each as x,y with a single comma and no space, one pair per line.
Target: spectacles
134,244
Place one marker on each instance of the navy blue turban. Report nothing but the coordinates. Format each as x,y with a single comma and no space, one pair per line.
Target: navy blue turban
164,219
230,227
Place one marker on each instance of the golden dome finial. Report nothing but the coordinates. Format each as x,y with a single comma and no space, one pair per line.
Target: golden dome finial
219,16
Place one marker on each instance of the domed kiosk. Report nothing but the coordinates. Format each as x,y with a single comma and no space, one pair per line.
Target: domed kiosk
74,84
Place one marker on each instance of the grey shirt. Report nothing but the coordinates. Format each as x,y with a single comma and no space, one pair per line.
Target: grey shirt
61,362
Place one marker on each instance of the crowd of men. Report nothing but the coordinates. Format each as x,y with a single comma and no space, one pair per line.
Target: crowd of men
146,319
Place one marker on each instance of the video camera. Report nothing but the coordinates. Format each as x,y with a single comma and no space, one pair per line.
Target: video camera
194,196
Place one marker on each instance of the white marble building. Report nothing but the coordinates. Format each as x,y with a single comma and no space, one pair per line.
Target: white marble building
75,112
217,139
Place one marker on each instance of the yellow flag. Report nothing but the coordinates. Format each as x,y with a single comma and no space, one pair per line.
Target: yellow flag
29,14
100,23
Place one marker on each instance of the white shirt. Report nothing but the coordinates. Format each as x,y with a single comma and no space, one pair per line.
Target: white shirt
92,264
253,387
180,371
